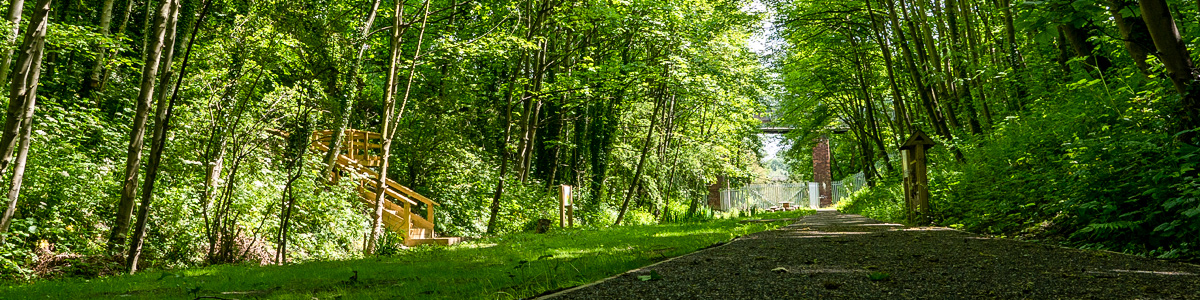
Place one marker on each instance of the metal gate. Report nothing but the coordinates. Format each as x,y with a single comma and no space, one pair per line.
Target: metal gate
764,196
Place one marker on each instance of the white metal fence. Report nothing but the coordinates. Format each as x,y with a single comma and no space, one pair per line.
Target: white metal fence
848,186
763,196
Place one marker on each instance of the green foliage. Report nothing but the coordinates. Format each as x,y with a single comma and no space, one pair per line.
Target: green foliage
295,66
1091,170
511,266
1076,144
883,202
878,276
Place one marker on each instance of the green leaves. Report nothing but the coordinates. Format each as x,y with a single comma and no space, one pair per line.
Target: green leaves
652,276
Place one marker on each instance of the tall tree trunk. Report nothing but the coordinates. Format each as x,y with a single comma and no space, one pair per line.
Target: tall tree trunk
343,121
1133,33
162,119
647,142
132,163
923,90
1064,52
1077,38
1013,57
15,8
494,208
389,102
1175,57
901,120
92,82
390,122
297,145
112,54
959,58
23,93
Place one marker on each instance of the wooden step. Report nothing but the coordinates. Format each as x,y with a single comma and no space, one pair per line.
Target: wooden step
419,233
355,158
440,241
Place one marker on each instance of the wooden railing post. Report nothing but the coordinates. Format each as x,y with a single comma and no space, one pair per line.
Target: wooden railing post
407,222
565,209
429,213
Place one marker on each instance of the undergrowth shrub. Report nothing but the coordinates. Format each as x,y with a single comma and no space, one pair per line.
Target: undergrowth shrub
1087,169
883,202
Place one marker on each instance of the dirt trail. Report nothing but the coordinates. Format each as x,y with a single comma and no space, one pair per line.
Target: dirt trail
830,255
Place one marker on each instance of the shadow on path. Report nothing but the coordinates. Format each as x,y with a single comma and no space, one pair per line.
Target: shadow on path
832,255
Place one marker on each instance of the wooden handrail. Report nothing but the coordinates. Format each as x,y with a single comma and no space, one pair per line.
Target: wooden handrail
391,183
420,222
397,217
371,183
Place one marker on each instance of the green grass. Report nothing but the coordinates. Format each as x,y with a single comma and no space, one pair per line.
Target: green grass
884,202
506,267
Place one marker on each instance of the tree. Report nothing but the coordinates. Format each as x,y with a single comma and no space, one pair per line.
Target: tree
1178,62
391,117
23,100
15,8
150,68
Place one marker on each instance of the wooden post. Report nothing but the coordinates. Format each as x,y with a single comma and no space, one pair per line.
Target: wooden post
916,178
566,211
429,214
350,139
406,213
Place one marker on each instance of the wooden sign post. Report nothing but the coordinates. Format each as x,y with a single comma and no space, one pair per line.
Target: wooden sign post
916,178
566,211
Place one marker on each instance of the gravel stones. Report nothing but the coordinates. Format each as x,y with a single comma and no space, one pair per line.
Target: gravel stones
831,255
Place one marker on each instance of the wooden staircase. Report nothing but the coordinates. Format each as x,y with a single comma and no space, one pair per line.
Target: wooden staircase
356,158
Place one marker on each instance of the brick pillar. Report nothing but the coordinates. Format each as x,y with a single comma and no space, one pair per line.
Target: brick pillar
714,192
821,171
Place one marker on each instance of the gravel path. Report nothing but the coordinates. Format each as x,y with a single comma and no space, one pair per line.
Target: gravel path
831,255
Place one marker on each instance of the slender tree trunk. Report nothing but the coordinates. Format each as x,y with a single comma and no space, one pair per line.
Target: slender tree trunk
15,8
647,142
901,120
343,121
494,208
923,90
138,131
391,123
146,29
298,143
1077,38
23,93
1133,33
1064,52
1175,58
1013,58
959,59
162,119
389,102
120,32
18,177
92,82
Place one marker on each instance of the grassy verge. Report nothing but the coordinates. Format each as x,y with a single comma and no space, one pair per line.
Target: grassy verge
505,267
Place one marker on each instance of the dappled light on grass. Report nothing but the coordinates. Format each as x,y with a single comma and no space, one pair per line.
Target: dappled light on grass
684,233
511,266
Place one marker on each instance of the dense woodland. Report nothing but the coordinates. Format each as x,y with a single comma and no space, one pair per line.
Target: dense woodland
145,134
1058,120
150,134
